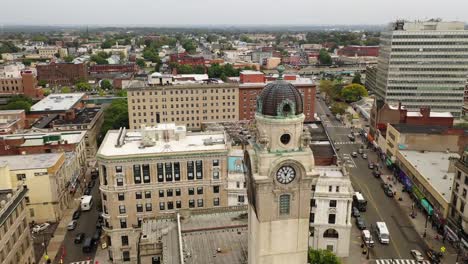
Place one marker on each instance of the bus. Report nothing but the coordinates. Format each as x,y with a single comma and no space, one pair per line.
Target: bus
359,202
382,232
86,203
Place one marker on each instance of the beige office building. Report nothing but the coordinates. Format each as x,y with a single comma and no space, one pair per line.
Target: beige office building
156,171
187,104
15,236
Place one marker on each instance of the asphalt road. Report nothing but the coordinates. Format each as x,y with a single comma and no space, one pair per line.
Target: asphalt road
87,225
403,237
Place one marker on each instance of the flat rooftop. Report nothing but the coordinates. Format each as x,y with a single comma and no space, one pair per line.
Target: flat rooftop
433,166
38,139
34,161
154,144
419,129
83,116
11,112
58,102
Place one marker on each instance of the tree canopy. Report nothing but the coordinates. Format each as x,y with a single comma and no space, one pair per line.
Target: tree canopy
83,86
65,89
98,59
322,256
357,78
8,47
151,54
106,85
353,92
324,57
115,116
189,45
141,63
19,102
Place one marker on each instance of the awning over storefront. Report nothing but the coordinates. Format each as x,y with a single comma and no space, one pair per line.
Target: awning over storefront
427,206
389,162
417,193
370,138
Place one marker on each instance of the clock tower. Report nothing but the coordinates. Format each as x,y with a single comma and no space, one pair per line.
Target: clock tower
280,169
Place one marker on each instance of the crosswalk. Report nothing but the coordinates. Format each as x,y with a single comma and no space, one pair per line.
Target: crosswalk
82,262
400,261
346,143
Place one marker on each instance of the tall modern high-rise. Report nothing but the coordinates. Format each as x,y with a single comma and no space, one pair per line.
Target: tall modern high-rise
424,64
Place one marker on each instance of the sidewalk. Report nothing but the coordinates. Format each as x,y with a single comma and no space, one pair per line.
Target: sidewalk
102,256
420,220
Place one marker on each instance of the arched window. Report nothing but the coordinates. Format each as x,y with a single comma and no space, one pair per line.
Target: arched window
330,233
284,204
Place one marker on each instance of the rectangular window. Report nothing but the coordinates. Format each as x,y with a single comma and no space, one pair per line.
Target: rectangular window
190,173
168,167
177,192
200,203
139,208
161,193
284,204
124,240
122,209
146,173
104,174
148,207
199,169
178,204
121,196
237,184
137,174
104,197
176,171
118,169
161,206
458,175
160,172
216,175
170,205
148,194
332,203
126,255
240,199
330,188
199,190
119,182
313,188
331,218
191,203
313,203
21,177
169,192
216,202
138,195
337,188
312,217
216,189
466,180
123,223
215,163
191,191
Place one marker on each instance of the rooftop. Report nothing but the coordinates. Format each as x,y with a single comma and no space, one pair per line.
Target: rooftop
250,72
419,129
83,116
58,102
12,199
10,112
433,166
34,161
39,139
164,139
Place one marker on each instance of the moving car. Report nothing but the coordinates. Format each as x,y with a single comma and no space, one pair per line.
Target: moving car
76,215
356,212
41,227
367,238
417,255
387,190
72,225
360,151
364,155
354,154
79,238
376,173
370,165
361,224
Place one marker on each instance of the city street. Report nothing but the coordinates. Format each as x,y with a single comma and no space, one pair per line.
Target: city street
403,236
86,224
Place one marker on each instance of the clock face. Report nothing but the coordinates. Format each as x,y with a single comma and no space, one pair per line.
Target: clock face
285,174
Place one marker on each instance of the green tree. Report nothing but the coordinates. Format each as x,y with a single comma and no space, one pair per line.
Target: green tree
107,44
68,58
353,92
19,102
115,116
42,83
184,69
357,78
321,256
27,62
151,55
98,59
103,54
121,93
83,86
47,91
141,63
324,57
211,38
245,38
8,47
106,85
65,89
199,69
189,46
326,86
338,108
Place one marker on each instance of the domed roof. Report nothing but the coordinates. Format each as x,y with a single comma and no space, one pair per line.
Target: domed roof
280,98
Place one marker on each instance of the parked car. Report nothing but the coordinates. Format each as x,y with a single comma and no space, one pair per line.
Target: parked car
364,155
87,191
72,225
96,237
41,227
417,255
76,214
361,224
79,238
434,256
387,190
370,165
360,151
356,212
354,154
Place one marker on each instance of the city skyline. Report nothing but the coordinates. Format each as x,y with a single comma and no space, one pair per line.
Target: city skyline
242,12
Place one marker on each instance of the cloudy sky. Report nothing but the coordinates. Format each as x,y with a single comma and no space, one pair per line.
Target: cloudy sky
222,12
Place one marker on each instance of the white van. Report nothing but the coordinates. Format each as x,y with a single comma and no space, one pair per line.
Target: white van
367,238
86,203
382,232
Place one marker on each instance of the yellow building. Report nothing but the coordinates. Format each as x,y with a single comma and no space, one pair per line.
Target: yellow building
46,177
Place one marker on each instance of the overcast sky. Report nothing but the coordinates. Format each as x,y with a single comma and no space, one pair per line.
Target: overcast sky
222,12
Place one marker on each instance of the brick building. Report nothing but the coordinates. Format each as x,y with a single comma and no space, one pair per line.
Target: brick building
113,68
359,51
62,73
186,59
12,120
25,84
252,83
